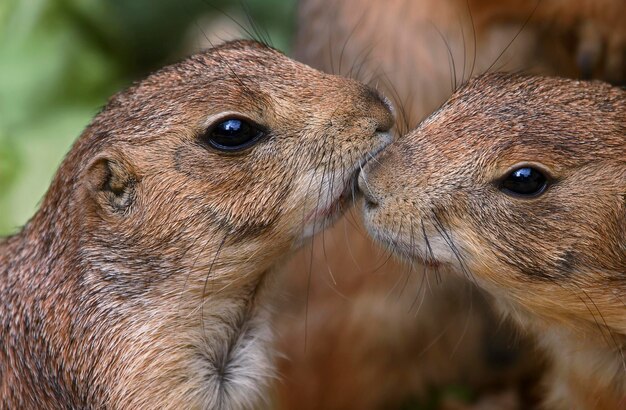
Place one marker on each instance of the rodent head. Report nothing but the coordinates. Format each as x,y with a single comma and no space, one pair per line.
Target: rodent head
220,164
150,248
520,182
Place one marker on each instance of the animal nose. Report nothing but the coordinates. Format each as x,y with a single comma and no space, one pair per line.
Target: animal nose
370,199
375,178
381,110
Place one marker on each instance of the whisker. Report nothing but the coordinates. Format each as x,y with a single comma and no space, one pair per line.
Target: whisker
467,321
606,326
451,63
532,13
261,32
352,31
430,252
469,11
420,290
308,288
448,239
435,340
464,47
390,292
329,195
203,297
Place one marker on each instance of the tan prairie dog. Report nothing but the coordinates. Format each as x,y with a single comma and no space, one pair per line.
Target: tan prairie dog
358,297
519,182
140,281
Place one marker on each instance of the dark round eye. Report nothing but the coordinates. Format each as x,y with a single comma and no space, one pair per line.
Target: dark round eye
233,134
525,181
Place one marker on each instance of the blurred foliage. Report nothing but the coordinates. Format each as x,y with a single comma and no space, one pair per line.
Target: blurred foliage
61,59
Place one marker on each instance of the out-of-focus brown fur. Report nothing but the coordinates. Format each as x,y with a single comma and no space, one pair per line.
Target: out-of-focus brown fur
556,262
401,47
141,280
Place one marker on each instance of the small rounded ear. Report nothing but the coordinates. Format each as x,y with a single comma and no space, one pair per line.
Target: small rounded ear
111,184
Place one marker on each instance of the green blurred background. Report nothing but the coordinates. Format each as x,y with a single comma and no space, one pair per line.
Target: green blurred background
60,60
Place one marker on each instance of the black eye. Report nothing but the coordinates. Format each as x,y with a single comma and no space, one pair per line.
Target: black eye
525,181
233,134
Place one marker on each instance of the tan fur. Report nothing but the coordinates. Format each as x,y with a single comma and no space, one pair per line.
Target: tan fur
555,263
399,46
141,281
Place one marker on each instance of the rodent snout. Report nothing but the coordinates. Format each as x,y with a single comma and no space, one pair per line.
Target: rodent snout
370,199
374,106
366,181
381,111
373,178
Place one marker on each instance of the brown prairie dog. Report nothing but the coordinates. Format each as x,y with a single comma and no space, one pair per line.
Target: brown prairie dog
141,281
400,46
527,198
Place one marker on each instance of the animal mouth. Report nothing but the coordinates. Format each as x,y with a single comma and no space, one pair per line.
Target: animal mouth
346,197
421,253
351,191
342,202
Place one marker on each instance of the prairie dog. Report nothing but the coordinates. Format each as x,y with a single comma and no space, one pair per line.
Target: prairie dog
361,299
141,281
519,182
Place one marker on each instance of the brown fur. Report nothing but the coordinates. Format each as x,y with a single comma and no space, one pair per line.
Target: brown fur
140,281
555,263
450,335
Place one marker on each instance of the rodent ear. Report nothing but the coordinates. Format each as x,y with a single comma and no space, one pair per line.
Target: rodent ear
111,183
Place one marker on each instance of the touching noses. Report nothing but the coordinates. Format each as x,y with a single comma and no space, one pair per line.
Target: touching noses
380,110
373,177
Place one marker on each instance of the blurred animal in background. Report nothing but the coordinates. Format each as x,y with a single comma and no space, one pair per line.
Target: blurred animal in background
361,330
